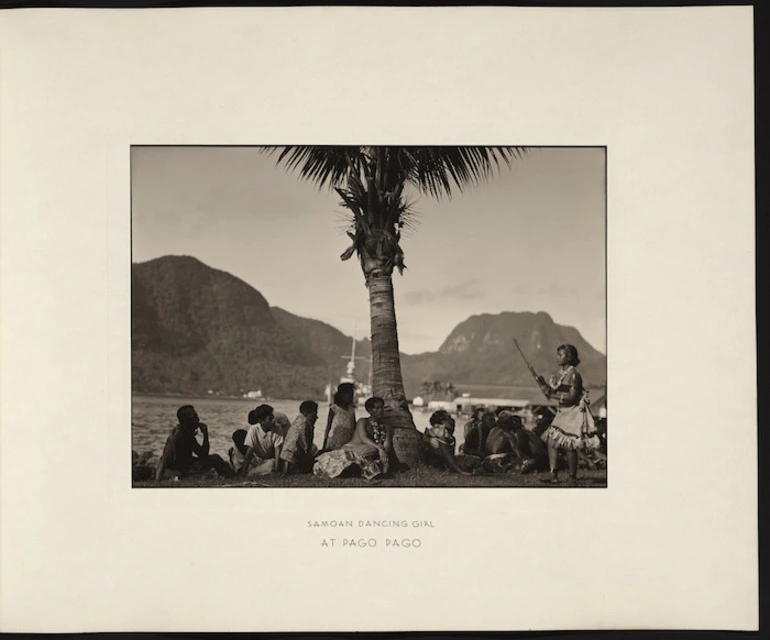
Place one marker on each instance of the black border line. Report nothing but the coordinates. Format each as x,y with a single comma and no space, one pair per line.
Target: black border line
231,4
378,487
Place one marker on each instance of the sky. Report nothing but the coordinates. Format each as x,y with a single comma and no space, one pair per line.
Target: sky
531,238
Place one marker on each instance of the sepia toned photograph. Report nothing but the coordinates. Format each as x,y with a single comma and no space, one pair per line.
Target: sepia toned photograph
397,357
368,316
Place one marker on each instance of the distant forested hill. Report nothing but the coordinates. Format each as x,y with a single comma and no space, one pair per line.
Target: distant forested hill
481,351
196,329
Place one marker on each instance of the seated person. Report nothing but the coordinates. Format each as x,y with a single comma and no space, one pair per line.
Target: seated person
341,424
596,458
601,429
476,435
263,444
440,441
237,453
282,423
470,427
369,452
298,452
501,446
543,418
530,448
183,455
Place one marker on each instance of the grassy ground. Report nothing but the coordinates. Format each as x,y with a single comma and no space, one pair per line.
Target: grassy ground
422,477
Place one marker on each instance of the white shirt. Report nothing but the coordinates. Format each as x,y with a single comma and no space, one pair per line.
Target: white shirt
263,443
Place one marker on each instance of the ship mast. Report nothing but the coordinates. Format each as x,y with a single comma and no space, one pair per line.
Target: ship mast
352,363
351,366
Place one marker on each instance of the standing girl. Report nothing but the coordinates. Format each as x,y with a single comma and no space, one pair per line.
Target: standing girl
573,425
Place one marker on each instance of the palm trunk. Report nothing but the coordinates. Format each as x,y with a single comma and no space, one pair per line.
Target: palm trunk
386,370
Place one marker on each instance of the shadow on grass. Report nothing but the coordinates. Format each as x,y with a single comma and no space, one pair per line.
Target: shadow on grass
424,477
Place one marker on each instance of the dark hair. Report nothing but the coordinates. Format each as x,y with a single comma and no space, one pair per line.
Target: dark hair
571,351
439,417
260,413
543,417
369,404
343,389
307,406
239,439
509,419
184,412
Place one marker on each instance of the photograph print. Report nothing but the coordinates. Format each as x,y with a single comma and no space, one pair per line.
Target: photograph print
368,316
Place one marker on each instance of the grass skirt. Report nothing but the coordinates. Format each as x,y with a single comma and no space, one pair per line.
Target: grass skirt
572,428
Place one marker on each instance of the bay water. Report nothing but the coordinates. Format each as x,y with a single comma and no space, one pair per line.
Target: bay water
154,417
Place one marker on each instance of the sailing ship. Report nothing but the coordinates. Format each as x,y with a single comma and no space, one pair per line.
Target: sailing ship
363,390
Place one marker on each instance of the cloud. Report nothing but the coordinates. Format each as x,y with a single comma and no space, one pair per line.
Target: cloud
421,296
522,289
551,291
560,290
467,290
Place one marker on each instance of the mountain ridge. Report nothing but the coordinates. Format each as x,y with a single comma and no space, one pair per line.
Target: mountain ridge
197,329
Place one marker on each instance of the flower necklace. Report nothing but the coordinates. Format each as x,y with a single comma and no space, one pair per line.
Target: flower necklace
378,431
562,376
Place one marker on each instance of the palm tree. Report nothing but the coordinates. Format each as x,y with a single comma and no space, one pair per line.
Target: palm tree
371,182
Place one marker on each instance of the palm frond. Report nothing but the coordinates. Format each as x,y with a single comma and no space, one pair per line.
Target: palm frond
410,219
437,170
321,165
371,180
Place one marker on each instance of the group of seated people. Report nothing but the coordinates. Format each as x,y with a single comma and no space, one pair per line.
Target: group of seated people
270,445
488,435
493,443
273,445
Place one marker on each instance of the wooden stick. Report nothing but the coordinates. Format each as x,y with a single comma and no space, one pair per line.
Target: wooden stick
531,370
